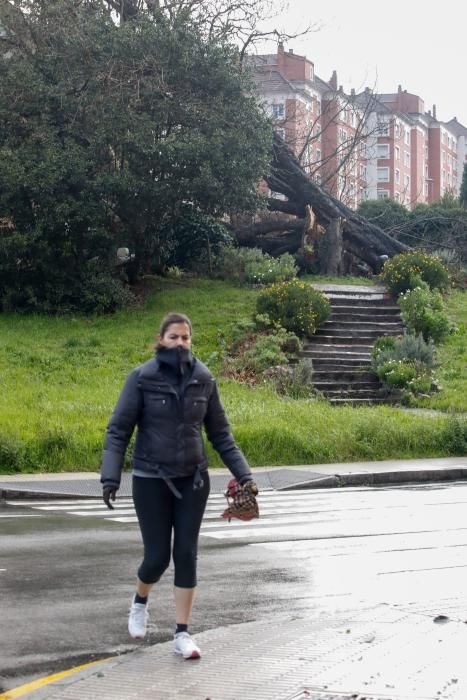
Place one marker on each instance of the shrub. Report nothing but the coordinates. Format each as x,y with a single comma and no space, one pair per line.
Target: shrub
268,270
192,239
294,381
256,353
407,347
404,363
397,374
404,271
252,266
422,310
294,305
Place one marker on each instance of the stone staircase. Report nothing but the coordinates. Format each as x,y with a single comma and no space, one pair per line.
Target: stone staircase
341,348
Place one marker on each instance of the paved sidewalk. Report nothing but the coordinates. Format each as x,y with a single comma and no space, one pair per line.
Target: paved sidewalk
376,653
86,484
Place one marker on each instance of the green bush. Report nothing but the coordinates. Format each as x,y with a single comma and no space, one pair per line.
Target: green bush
294,381
252,266
406,347
295,305
422,310
269,270
404,363
404,271
192,239
397,374
256,353
266,352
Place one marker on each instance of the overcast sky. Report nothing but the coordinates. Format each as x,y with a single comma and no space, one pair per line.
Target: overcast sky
420,45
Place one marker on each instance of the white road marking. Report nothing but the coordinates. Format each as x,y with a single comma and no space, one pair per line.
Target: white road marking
21,515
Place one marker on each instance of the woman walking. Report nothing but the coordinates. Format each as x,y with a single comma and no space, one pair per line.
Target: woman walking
169,399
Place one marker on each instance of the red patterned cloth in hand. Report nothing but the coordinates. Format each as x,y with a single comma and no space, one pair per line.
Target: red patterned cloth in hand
241,501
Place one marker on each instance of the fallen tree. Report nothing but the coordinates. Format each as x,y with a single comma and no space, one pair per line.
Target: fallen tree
360,238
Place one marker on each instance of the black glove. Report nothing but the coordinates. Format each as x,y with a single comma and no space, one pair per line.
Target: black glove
109,493
250,487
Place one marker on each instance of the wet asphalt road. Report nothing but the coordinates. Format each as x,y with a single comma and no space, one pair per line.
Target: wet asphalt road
67,569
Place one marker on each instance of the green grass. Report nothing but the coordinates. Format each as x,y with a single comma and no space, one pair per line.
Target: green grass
452,359
60,378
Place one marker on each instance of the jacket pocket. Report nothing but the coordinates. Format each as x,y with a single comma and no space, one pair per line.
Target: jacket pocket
195,408
157,404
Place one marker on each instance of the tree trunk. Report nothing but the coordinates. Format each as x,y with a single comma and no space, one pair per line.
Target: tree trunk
333,264
360,238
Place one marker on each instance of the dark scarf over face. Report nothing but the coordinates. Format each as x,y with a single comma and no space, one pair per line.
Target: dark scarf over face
177,362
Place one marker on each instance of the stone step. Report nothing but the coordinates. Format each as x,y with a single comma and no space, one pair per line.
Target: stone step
325,347
359,325
342,387
339,335
343,376
362,401
365,313
362,302
344,364
355,394
339,332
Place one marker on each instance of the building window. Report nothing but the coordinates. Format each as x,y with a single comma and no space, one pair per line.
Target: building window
383,129
406,181
318,107
407,159
382,194
407,136
281,133
397,131
397,153
397,196
397,177
278,110
382,174
382,151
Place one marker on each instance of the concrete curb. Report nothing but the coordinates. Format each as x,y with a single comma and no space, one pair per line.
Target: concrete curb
334,481
381,478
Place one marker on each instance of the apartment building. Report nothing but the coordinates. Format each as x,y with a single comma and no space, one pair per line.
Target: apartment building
365,146
318,121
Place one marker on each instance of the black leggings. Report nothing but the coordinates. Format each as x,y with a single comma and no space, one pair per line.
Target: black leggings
159,511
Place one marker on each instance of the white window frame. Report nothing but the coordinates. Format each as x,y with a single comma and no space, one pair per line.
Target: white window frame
397,176
382,194
407,137
397,153
406,159
379,148
382,174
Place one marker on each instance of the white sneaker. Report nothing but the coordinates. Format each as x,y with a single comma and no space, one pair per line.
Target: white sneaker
138,620
184,645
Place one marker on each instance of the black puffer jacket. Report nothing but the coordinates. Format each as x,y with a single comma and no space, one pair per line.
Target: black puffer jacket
169,416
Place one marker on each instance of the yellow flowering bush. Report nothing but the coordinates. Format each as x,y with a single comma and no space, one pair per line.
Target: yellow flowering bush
295,305
406,270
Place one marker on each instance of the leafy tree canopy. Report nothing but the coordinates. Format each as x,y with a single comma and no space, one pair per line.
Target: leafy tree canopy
106,131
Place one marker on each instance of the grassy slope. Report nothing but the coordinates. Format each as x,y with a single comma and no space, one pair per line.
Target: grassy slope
60,378
452,357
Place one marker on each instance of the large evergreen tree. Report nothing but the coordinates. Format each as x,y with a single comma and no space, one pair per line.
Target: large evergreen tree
106,130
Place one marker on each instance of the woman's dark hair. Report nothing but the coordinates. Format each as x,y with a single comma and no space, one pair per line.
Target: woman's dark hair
174,318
